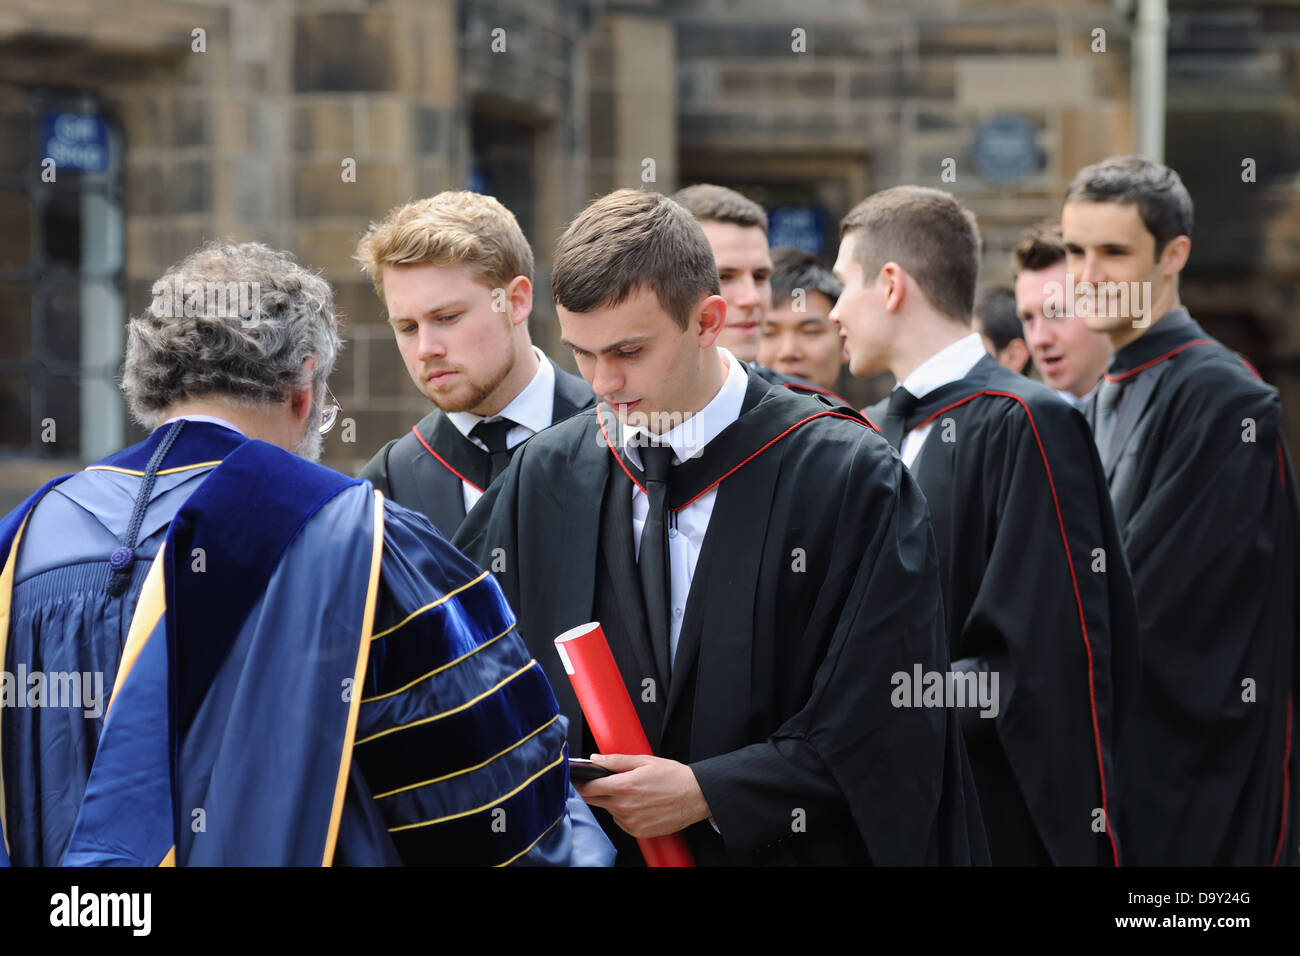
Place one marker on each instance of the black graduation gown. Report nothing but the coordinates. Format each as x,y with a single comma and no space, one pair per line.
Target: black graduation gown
1206,501
424,468
1011,474
816,582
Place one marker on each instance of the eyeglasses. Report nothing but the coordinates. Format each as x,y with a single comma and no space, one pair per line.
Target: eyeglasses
329,413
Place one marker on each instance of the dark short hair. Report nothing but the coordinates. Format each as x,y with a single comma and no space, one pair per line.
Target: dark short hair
1160,196
927,232
996,308
1041,246
710,203
630,239
794,268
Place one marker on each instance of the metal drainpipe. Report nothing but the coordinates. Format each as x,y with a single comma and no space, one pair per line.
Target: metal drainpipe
1149,41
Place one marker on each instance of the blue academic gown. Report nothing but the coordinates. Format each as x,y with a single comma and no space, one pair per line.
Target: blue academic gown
299,672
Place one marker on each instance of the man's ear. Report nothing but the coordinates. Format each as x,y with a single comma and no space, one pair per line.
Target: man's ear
300,399
300,402
892,282
1175,255
1015,356
711,314
519,299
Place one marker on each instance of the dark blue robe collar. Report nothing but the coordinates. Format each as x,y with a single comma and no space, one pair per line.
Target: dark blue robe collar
199,443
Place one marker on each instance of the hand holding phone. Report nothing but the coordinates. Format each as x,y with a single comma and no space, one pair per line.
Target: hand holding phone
581,770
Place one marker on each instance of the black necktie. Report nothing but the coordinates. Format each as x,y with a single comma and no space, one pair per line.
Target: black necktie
653,561
493,434
1108,396
901,404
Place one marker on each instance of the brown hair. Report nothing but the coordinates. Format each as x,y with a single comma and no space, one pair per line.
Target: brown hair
451,228
631,239
709,203
1159,194
928,233
1040,247
996,308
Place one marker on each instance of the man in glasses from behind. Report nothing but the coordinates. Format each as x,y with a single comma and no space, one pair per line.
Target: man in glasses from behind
232,655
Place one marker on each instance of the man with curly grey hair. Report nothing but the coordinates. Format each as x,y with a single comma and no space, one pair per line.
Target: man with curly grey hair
301,672
255,350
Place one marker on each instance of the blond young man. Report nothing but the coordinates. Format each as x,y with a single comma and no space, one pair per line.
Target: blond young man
456,275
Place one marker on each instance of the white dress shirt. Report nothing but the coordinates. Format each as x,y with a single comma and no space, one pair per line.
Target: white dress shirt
1076,400
686,536
946,365
530,410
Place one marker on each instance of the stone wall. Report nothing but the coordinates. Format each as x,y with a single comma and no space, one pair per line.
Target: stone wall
298,122
842,99
563,100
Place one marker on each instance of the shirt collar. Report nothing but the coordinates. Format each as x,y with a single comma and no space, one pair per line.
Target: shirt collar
689,438
211,419
946,365
1071,398
532,407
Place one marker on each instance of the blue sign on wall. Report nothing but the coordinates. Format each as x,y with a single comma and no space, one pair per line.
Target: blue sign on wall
75,141
1006,150
799,226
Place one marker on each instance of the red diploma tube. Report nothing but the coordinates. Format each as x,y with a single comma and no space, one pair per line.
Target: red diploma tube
603,697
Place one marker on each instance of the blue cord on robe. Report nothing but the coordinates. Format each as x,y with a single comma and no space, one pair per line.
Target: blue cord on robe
122,559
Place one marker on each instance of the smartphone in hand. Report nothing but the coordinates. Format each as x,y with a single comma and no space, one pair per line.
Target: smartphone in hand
581,770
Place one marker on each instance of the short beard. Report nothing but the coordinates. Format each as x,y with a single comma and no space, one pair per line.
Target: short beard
478,393
312,442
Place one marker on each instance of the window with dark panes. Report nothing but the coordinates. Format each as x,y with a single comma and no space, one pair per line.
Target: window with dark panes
62,280
503,152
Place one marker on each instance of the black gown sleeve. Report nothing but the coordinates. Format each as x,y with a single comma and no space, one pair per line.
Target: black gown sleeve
901,773
1214,552
375,470
1045,603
